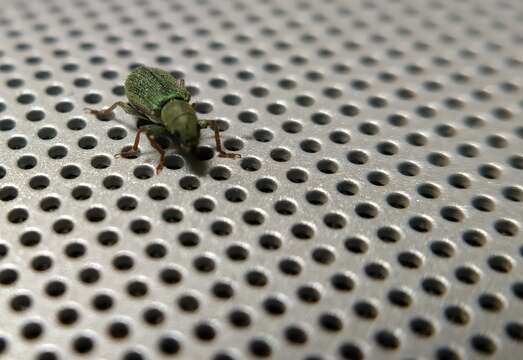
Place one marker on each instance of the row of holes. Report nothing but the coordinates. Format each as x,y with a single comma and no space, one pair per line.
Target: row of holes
280,154
295,334
27,98
272,241
323,255
459,315
281,45
433,286
301,230
296,175
251,164
396,200
260,91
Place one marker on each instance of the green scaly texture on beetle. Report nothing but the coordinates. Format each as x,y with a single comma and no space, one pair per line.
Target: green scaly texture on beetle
149,89
158,96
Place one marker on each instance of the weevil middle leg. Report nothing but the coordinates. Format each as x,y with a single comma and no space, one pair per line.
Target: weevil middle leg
213,124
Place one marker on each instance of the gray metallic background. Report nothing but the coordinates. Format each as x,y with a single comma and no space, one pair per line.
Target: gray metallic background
375,213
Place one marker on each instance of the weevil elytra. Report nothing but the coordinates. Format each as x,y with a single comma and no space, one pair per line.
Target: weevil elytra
157,96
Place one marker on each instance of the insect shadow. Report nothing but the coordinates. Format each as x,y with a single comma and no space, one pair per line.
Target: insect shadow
196,162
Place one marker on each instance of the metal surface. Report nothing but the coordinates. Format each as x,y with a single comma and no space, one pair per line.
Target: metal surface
376,212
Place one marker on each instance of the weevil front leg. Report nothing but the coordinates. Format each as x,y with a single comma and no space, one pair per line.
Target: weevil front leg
151,131
134,149
128,108
158,148
213,124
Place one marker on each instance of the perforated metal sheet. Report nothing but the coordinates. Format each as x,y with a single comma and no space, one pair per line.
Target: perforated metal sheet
375,213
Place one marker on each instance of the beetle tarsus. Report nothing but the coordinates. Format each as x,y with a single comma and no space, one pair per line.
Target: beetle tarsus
126,154
109,112
229,155
99,113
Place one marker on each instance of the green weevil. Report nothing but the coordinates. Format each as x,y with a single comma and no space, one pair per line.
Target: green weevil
157,96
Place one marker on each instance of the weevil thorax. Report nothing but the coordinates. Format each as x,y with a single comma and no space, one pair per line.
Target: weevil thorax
180,119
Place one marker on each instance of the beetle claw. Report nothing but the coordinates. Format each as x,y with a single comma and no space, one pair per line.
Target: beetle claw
98,113
125,154
229,155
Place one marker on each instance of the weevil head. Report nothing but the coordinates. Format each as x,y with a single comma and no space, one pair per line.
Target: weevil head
190,137
180,120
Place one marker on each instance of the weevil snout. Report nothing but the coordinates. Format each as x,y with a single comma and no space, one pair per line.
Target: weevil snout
186,148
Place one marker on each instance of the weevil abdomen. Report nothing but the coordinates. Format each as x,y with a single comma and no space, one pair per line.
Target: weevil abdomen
149,89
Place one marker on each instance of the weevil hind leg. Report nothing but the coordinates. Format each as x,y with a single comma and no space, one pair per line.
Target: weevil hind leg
213,124
128,108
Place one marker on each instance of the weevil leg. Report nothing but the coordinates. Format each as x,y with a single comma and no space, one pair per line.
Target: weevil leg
213,124
150,131
128,108
158,148
134,150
